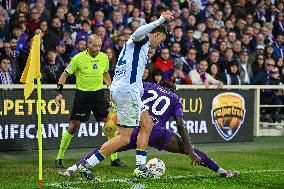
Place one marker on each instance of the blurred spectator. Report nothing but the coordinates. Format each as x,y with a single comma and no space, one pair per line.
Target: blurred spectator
189,60
22,10
190,40
117,20
107,42
71,24
233,74
112,61
56,28
214,58
146,74
157,76
4,12
81,45
43,11
200,77
127,32
204,53
15,69
176,75
279,63
214,71
121,39
258,65
99,18
278,46
228,57
84,32
260,13
148,9
269,51
218,22
269,96
33,22
61,52
164,62
175,50
245,68
178,37
5,67
4,29
136,16
49,38
195,10
278,25
54,67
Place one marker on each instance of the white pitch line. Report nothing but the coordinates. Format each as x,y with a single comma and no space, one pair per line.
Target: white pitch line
134,185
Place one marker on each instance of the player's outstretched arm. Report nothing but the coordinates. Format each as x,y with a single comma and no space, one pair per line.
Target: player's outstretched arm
140,33
196,160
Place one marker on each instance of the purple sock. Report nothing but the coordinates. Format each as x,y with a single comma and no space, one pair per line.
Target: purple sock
86,157
207,162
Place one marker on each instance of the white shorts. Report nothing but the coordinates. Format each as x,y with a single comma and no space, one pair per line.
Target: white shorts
129,106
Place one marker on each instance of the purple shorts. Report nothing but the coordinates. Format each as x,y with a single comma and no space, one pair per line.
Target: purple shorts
158,139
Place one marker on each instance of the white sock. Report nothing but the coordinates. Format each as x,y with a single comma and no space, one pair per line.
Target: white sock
141,157
73,168
221,170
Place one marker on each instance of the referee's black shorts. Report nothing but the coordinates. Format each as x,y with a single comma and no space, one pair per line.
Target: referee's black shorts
87,101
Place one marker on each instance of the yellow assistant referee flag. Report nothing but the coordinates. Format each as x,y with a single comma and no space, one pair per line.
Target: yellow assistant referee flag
32,68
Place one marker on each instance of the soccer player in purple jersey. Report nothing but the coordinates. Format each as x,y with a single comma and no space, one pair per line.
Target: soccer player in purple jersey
162,104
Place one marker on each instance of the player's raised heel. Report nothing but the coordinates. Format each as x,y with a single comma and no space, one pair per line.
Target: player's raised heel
229,173
87,172
118,163
66,173
142,172
59,164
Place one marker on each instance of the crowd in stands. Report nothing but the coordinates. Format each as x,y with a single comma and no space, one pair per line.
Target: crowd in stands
232,42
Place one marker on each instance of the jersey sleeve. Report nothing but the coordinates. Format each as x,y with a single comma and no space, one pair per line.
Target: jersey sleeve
177,110
140,33
72,66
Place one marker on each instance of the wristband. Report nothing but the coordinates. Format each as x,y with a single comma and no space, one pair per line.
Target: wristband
59,88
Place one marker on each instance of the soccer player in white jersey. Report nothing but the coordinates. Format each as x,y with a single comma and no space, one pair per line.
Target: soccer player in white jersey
126,92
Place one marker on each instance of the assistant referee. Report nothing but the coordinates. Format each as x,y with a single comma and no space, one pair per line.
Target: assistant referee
91,68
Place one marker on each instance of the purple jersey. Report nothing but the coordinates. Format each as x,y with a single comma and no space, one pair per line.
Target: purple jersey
161,103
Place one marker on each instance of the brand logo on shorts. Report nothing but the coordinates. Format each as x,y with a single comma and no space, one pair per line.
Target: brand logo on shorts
228,113
95,66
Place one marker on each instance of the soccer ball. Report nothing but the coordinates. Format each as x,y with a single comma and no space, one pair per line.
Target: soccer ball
156,166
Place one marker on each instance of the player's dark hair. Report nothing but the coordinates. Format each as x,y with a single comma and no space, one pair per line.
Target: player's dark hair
160,29
167,85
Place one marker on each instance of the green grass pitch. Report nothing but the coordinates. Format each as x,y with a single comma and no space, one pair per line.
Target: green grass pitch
261,165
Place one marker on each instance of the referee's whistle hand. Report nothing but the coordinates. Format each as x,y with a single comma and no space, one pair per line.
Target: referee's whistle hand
58,99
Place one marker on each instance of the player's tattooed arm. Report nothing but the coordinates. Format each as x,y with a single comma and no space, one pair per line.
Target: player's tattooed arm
184,135
188,149
140,33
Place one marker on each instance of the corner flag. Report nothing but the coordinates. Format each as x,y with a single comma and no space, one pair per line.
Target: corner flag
32,68
32,72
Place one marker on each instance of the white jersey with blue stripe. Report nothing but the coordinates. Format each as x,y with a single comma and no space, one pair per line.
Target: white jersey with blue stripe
131,65
132,60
